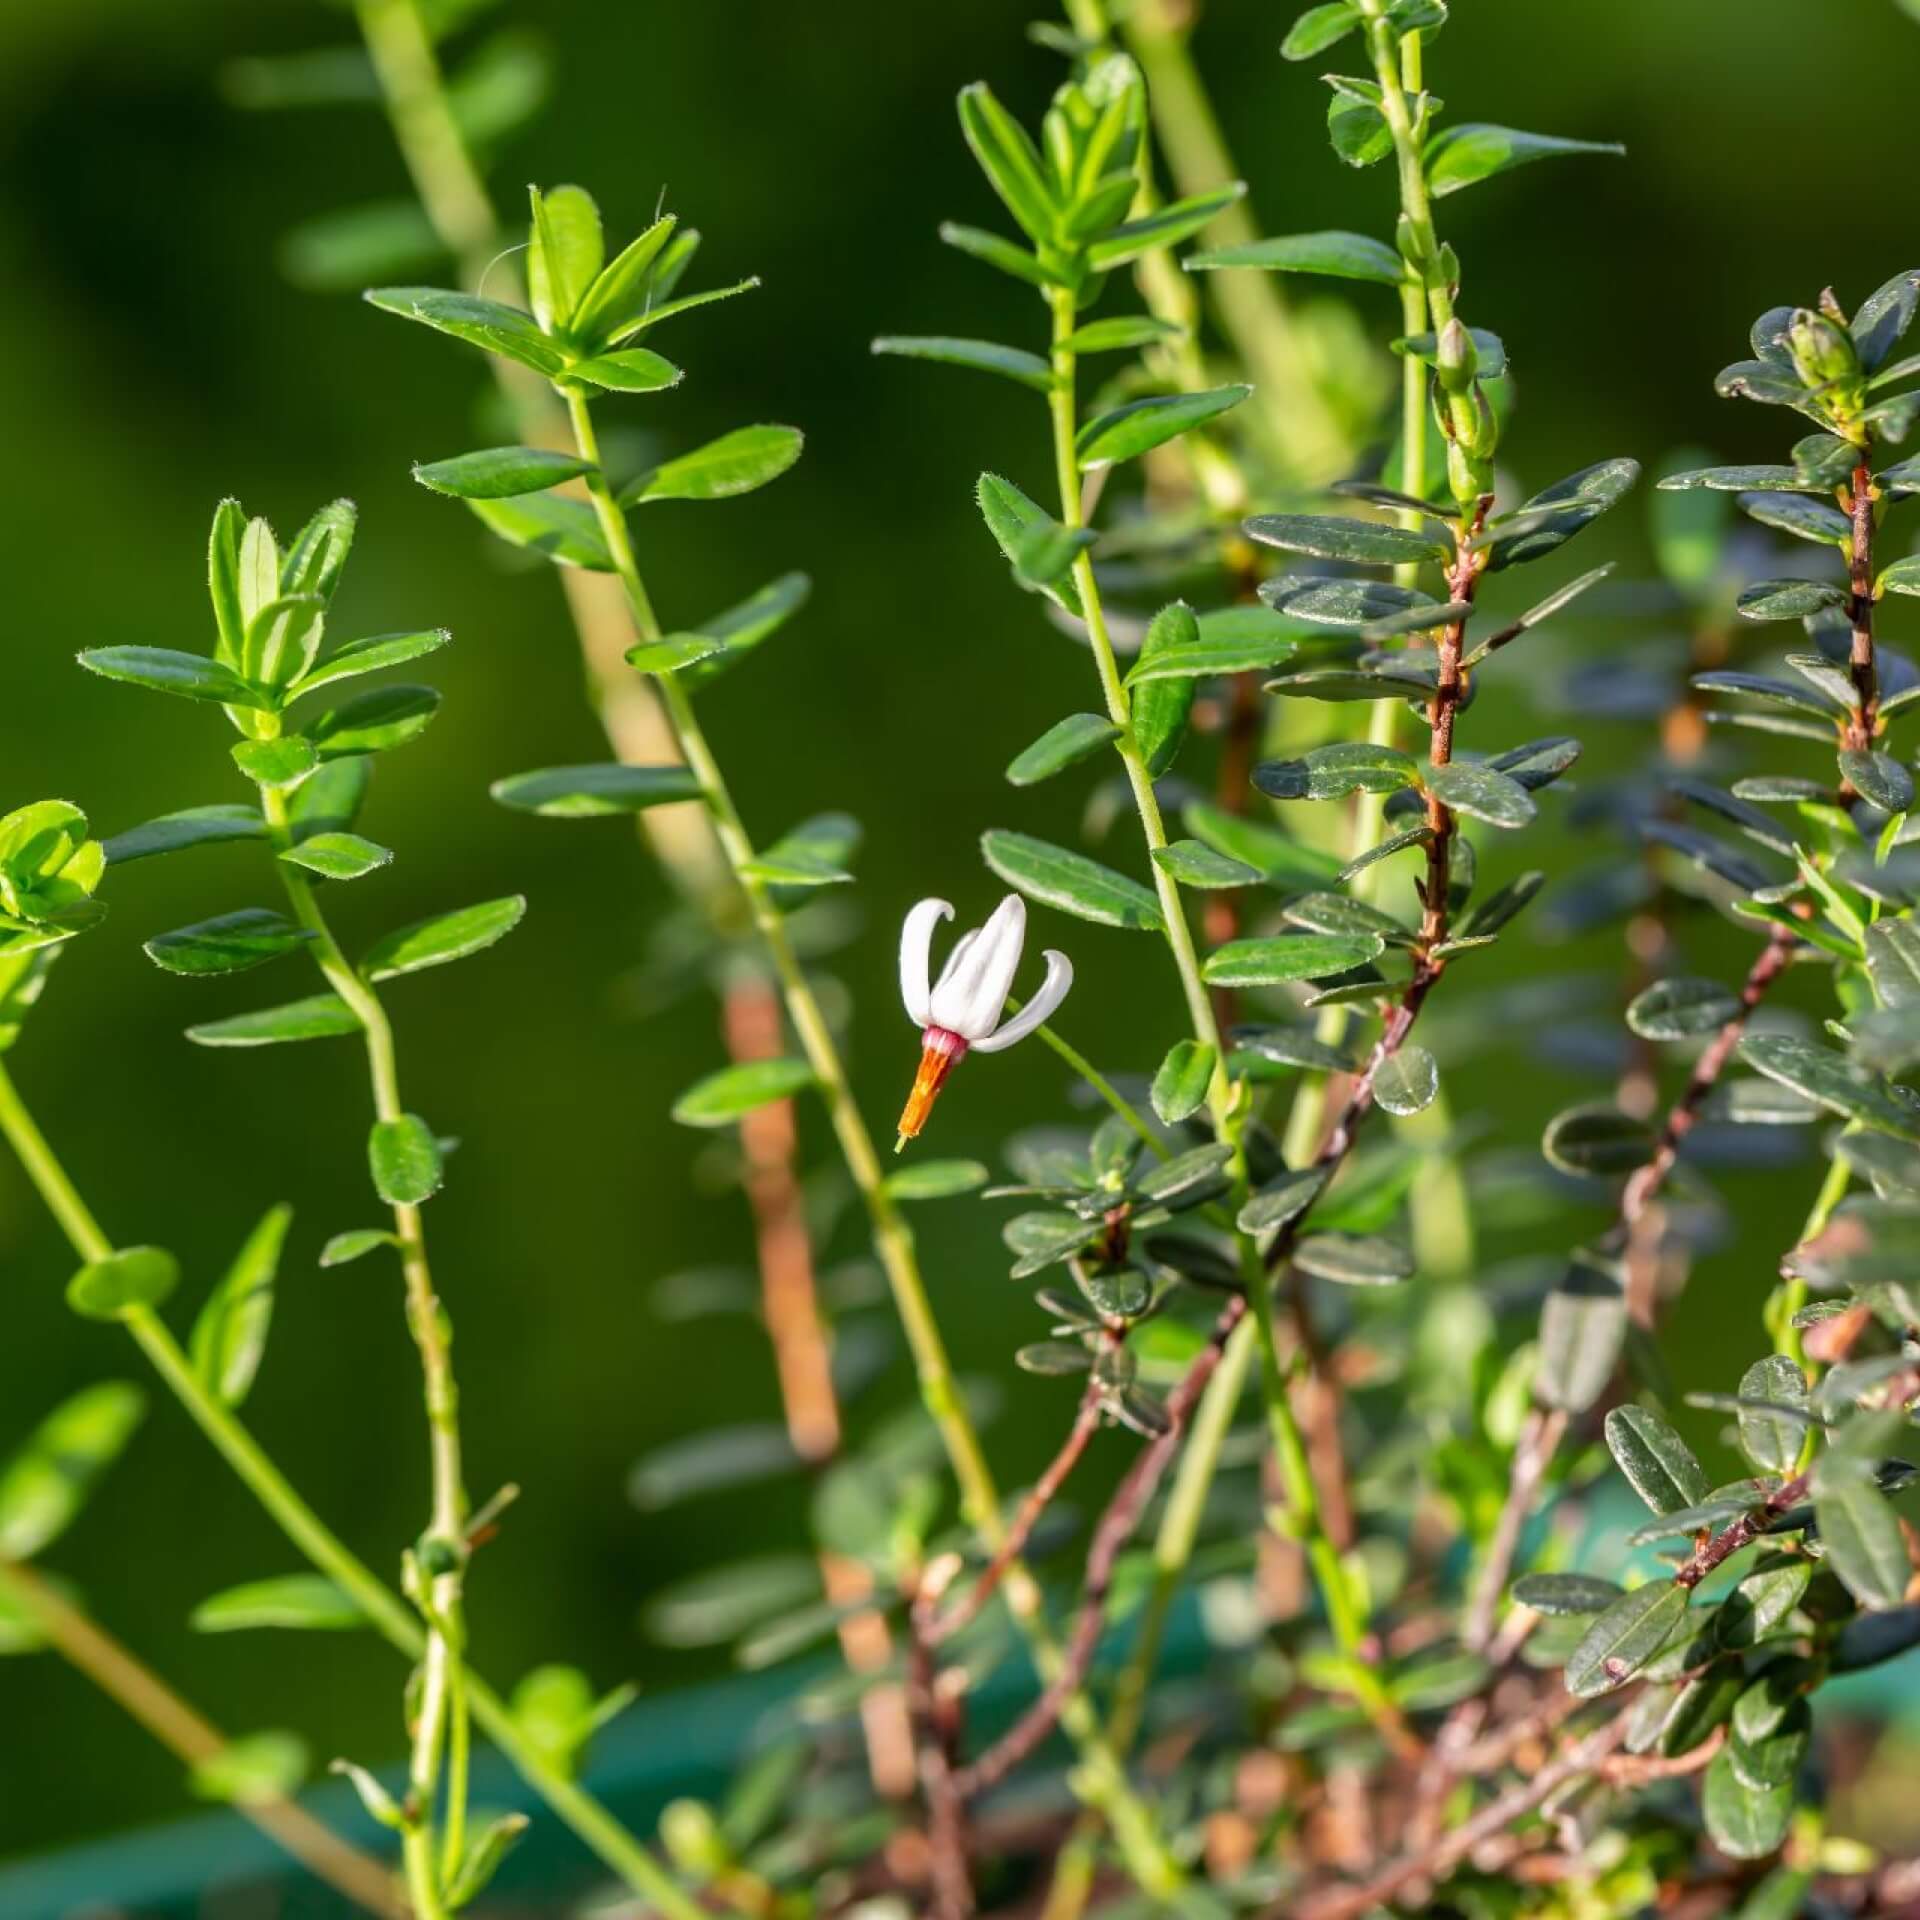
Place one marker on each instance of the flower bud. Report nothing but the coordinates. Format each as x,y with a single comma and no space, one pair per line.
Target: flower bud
1822,352
1456,358
692,1837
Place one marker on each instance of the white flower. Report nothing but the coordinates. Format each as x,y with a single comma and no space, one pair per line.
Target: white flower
962,1009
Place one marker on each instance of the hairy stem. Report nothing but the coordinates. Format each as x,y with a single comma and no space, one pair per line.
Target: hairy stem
396,1622
90,1650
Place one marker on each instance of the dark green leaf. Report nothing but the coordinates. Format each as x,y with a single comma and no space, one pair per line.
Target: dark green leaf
444,938
1195,865
1831,1079
1165,226
1353,1260
229,943
579,793
1565,1595
1885,315
1064,744
985,356
1744,1823
1597,1139
1375,606
1138,425
193,827
1481,792
1583,1322
1281,861
1284,957
1281,1200
1332,772
1459,156
1819,521
1355,124
1756,686
1180,1087
1489,351
123,1283
1341,256
230,1332
1681,1008
1069,881
1624,1638
1787,599
1363,542
165,671
723,1097
1893,962
1878,779
404,1159
482,323
742,628
1659,1465
1556,513
1743,480
1862,1536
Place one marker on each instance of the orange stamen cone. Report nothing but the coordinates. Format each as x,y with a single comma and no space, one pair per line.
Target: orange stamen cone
939,1052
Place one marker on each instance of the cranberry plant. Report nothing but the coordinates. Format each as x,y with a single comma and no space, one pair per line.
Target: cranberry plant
1452,1676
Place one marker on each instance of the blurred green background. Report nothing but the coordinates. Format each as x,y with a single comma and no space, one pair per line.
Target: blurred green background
152,359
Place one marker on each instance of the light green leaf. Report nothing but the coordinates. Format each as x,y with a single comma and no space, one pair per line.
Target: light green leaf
322,1017
230,1331
46,1483
564,530
337,856
1459,156
191,827
487,324
1196,865
444,938
723,1097
742,628
1340,256
935,1179
629,370
354,1243
307,1601
123,1283
404,1159
580,793
736,463
369,655
499,473
375,721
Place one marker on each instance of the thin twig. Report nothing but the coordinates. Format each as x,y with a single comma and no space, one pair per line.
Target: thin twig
1865,722
937,1629
1435,1862
935,1716
1539,1441
146,1698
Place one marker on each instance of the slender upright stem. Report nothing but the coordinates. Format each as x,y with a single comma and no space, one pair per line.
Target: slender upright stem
441,1700
892,1238
1865,722
1173,910
1301,431
89,1649
396,1622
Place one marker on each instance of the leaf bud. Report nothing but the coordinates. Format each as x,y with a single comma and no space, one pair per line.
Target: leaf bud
692,1837
1822,352
1456,358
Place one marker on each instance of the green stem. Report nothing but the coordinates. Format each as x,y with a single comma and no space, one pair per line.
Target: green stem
1100,1779
1173,909
443,1589
1301,430
431,144
387,1613
1791,1294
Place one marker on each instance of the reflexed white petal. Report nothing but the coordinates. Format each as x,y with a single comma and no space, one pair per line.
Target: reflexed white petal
1052,991
973,990
916,945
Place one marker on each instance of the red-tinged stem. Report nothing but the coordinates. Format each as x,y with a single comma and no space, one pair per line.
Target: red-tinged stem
1865,722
